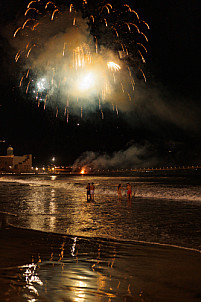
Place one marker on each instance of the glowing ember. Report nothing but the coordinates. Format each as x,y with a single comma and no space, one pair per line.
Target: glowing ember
113,66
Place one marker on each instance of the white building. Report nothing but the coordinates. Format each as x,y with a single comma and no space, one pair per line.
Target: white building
15,164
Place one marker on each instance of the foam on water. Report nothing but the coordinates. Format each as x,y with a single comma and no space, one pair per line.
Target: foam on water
108,186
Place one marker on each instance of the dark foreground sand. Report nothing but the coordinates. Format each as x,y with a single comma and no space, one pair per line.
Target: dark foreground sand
91,269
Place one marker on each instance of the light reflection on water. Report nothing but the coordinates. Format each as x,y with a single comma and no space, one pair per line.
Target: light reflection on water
58,204
77,265
83,269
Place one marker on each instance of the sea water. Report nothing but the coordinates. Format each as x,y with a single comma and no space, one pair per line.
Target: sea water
165,210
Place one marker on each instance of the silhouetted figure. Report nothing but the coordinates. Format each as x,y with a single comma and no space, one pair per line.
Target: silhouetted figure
119,191
92,188
88,192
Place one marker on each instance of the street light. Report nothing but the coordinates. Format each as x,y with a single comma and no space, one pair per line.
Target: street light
53,164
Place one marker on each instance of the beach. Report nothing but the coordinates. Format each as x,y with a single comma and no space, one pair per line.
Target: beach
63,268
57,247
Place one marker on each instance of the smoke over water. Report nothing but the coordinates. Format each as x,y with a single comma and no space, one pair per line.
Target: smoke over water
133,157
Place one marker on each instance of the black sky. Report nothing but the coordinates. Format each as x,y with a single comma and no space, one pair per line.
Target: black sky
168,118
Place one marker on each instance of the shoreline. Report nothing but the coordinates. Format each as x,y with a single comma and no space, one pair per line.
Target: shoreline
112,239
162,273
4,224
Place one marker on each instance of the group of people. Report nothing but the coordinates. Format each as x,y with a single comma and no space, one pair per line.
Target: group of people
90,191
128,189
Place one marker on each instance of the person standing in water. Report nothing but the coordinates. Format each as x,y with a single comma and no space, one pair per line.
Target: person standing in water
129,191
119,191
88,192
92,188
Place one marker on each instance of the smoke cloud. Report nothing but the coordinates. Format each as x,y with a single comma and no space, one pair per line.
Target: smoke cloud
133,157
154,102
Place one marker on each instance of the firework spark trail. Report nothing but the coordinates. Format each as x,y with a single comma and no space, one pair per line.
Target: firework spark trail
80,52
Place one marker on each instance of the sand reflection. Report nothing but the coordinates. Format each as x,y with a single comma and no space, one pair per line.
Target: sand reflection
75,270
78,269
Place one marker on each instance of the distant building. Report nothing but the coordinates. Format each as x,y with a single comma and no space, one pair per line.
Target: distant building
15,164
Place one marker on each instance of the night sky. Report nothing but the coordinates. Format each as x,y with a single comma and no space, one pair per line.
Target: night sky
163,126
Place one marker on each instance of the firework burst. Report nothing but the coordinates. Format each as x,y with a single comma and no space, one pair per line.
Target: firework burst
77,54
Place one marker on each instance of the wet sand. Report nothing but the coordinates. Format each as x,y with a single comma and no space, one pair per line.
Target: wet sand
64,268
